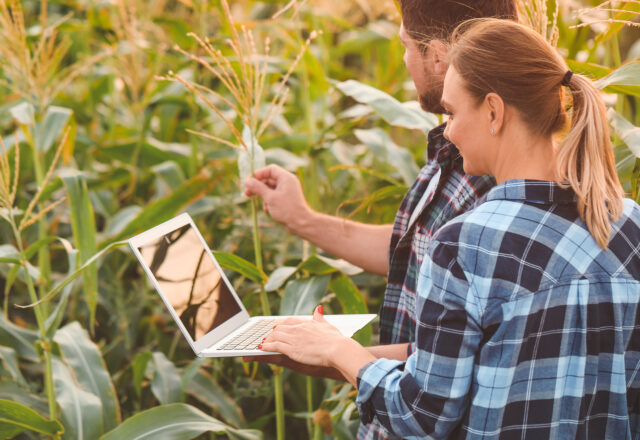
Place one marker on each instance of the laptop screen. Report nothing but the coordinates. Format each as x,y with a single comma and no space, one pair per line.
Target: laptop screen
190,280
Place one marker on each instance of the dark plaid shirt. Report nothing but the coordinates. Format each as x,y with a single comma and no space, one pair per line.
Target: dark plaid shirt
526,327
448,192
441,192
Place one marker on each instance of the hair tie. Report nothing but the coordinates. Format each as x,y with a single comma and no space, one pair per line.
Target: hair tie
567,78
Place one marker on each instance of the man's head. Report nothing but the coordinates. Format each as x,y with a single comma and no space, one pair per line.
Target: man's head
426,28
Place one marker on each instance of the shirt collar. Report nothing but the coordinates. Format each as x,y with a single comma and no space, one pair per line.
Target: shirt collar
536,191
440,149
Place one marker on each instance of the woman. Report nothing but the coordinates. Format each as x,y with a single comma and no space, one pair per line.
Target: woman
528,324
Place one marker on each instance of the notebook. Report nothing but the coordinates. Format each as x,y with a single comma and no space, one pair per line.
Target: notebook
200,298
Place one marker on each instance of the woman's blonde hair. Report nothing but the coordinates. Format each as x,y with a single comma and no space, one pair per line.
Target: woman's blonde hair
518,64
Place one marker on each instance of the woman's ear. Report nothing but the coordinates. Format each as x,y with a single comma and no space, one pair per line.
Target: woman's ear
495,112
438,51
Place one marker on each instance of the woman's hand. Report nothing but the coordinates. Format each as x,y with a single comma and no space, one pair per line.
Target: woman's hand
309,342
316,342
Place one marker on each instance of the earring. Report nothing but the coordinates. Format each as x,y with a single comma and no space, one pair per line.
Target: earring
492,131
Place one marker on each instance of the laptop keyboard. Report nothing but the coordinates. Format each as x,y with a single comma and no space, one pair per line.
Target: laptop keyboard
251,337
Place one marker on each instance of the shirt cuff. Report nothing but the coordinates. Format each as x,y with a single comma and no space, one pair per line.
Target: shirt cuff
369,377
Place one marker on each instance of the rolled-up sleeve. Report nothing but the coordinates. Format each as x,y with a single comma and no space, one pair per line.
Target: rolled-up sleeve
426,396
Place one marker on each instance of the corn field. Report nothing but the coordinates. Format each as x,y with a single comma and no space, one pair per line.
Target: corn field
118,115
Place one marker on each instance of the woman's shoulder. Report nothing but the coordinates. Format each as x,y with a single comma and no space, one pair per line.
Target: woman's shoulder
489,218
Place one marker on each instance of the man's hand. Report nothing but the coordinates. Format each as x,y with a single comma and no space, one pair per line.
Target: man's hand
366,246
309,370
281,194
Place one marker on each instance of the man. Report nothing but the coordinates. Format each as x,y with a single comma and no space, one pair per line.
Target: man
441,191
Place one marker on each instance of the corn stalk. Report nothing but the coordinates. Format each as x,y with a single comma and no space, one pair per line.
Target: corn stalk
244,77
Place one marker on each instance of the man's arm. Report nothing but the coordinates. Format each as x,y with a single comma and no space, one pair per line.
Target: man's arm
366,246
396,352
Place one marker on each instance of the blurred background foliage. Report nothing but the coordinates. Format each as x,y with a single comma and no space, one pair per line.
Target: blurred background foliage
98,148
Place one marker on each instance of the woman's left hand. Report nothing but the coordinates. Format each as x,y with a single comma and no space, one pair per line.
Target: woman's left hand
310,342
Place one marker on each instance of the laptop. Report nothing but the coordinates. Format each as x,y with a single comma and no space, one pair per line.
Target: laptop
201,299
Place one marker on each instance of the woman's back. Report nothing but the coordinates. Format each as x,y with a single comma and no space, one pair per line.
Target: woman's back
560,333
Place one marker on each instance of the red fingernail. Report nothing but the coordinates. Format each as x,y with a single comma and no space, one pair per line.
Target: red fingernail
275,326
260,346
321,309
264,339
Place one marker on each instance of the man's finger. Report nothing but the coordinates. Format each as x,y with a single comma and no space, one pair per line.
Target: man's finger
269,172
254,187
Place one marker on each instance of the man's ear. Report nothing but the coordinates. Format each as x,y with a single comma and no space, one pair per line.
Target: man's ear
438,51
495,111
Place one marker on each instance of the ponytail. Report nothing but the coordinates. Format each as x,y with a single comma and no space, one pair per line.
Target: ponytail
585,161
517,63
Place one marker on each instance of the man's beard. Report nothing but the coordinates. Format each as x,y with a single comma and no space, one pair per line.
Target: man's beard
430,100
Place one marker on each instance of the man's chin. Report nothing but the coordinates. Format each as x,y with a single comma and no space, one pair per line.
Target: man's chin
431,103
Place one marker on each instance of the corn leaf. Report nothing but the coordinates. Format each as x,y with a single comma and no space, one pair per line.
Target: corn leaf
278,277
352,301
22,340
167,207
16,418
302,296
240,265
393,111
626,131
81,410
23,113
84,233
203,387
85,360
54,122
387,151
627,75
166,383
595,71
176,421
614,28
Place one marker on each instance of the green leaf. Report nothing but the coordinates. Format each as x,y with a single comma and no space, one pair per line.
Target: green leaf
342,265
84,233
614,28
348,295
84,358
392,110
139,367
253,158
176,421
16,418
20,339
387,151
627,75
626,131
203,387
81,410
23,113
22,394
170,174
166,384
46,132
302,296
152,152
167,207
9,359
55,318
240,265
278,277
352,301
9,252
316,266
285,159
595,71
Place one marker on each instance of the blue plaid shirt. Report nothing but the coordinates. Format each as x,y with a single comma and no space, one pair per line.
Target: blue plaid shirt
526,328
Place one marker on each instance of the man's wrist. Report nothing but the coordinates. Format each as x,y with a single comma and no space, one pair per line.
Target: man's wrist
303,223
